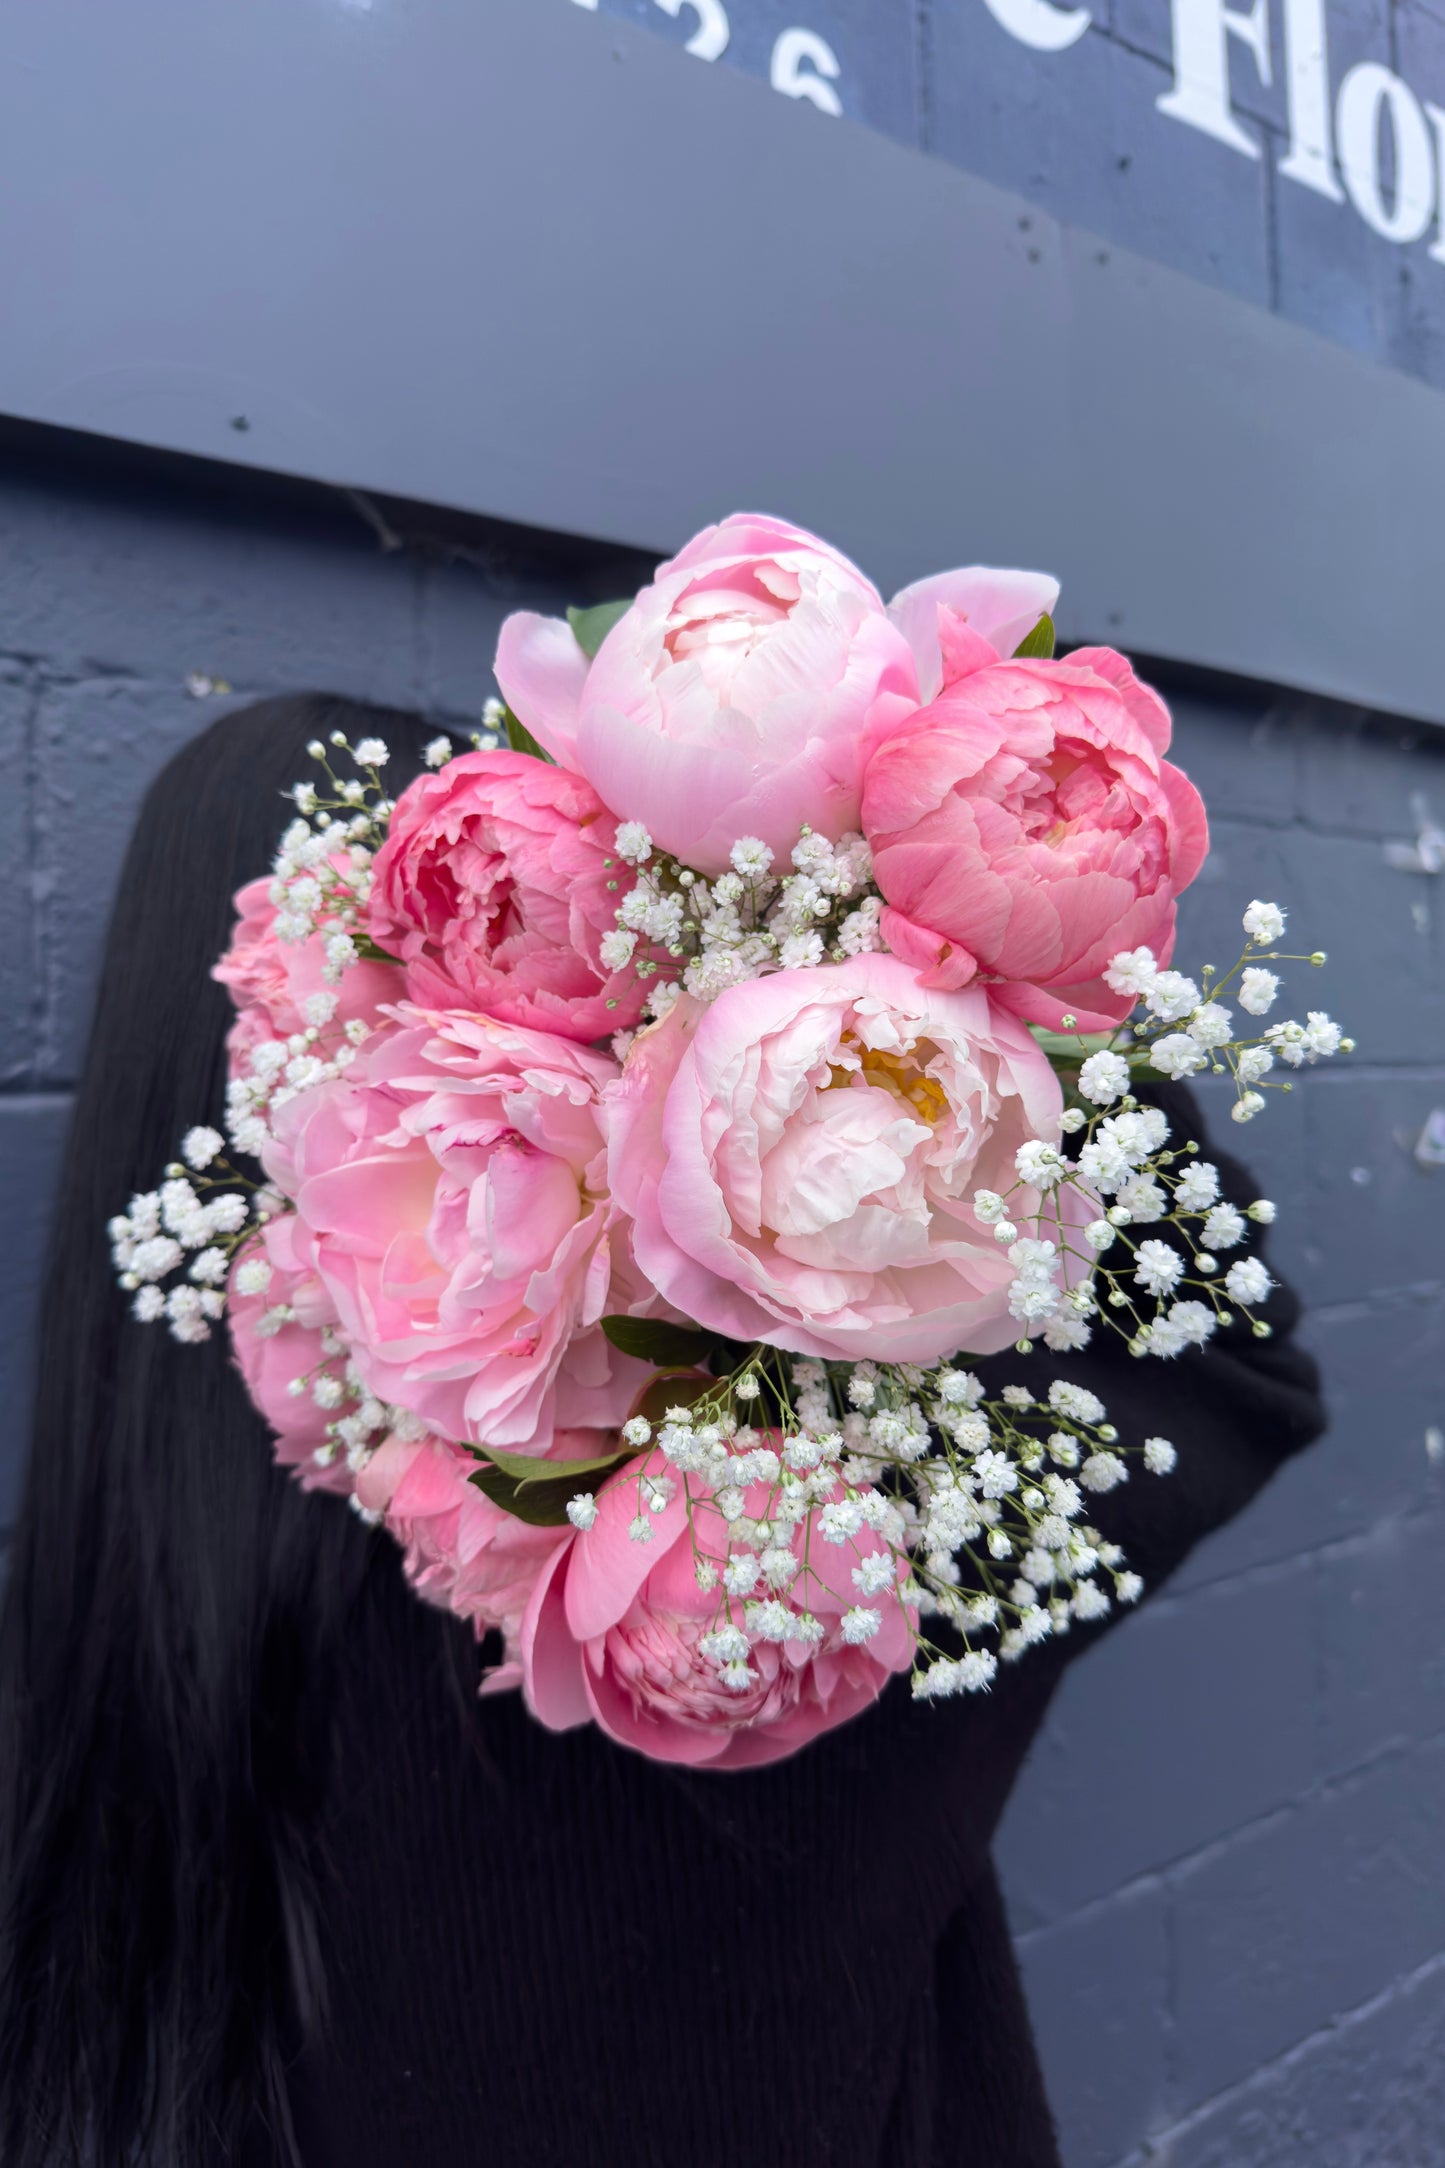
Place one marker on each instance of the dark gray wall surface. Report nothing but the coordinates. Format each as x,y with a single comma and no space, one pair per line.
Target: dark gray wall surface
537,263
1223,1861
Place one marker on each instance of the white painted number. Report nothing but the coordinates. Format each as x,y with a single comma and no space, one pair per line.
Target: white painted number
805,66
710,39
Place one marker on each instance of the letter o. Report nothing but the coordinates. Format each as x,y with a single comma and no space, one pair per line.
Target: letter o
1367,93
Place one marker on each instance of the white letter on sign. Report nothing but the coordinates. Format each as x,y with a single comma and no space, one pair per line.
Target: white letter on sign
1365,95
1037,23
1310,157
710,39
1202,30
1437,122
816,80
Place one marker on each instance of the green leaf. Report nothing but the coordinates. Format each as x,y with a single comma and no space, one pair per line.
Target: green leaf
540,1494
367,949
1073,1048
527,1468
669,1346
520,738
591,627
544,1506
1037,645
672,1389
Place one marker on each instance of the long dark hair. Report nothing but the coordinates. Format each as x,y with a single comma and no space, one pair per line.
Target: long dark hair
176,1606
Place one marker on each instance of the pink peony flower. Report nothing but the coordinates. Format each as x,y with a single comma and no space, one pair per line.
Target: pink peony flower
734,698
614,1633
493,888
462,1552
451,1197
800,1158
1026,827
271,980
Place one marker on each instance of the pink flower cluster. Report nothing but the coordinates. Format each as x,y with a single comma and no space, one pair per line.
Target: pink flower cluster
479,1174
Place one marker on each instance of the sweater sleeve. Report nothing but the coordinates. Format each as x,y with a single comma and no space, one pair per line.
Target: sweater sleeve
1235,1410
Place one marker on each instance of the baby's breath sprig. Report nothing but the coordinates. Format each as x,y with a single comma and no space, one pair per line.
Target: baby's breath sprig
321,875
1183,1029
960,1509
744,922
173,1247
1165,1289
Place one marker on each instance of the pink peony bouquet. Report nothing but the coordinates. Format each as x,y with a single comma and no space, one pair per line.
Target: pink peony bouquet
649,1115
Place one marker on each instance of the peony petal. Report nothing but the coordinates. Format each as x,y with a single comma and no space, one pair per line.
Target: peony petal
608,1568
542,671
1191,826
693,1744
744,535
1003,606
552,1669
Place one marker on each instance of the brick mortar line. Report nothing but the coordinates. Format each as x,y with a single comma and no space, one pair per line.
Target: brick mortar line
35,1004
1393,1289
1368,1072
1170,1873
1356,1308
1334,1548
1300,824
1154,2153
1333,1551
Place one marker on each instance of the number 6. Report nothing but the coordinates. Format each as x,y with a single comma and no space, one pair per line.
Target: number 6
815,80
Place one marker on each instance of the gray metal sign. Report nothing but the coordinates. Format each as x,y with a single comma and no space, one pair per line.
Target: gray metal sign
1290,151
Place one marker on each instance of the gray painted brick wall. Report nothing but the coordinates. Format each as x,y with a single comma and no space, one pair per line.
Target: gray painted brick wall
1223,1860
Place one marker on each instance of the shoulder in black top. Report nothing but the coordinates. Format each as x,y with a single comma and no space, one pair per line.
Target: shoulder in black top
549,1953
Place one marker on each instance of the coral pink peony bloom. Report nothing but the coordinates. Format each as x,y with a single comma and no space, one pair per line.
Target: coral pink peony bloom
451,1197
270,980
800,1160
1026,827
613,1628
462,1552
735,697
492,887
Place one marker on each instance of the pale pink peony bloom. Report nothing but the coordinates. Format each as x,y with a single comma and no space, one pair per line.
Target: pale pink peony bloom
1026,827
460,1551
451,1196
613,1627
270,980
493,888
800,1159
735,698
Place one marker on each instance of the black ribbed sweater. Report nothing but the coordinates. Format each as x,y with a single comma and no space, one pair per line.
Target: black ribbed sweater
546,1952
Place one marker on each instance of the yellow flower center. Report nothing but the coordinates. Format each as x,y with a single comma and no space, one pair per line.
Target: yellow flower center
900,1074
